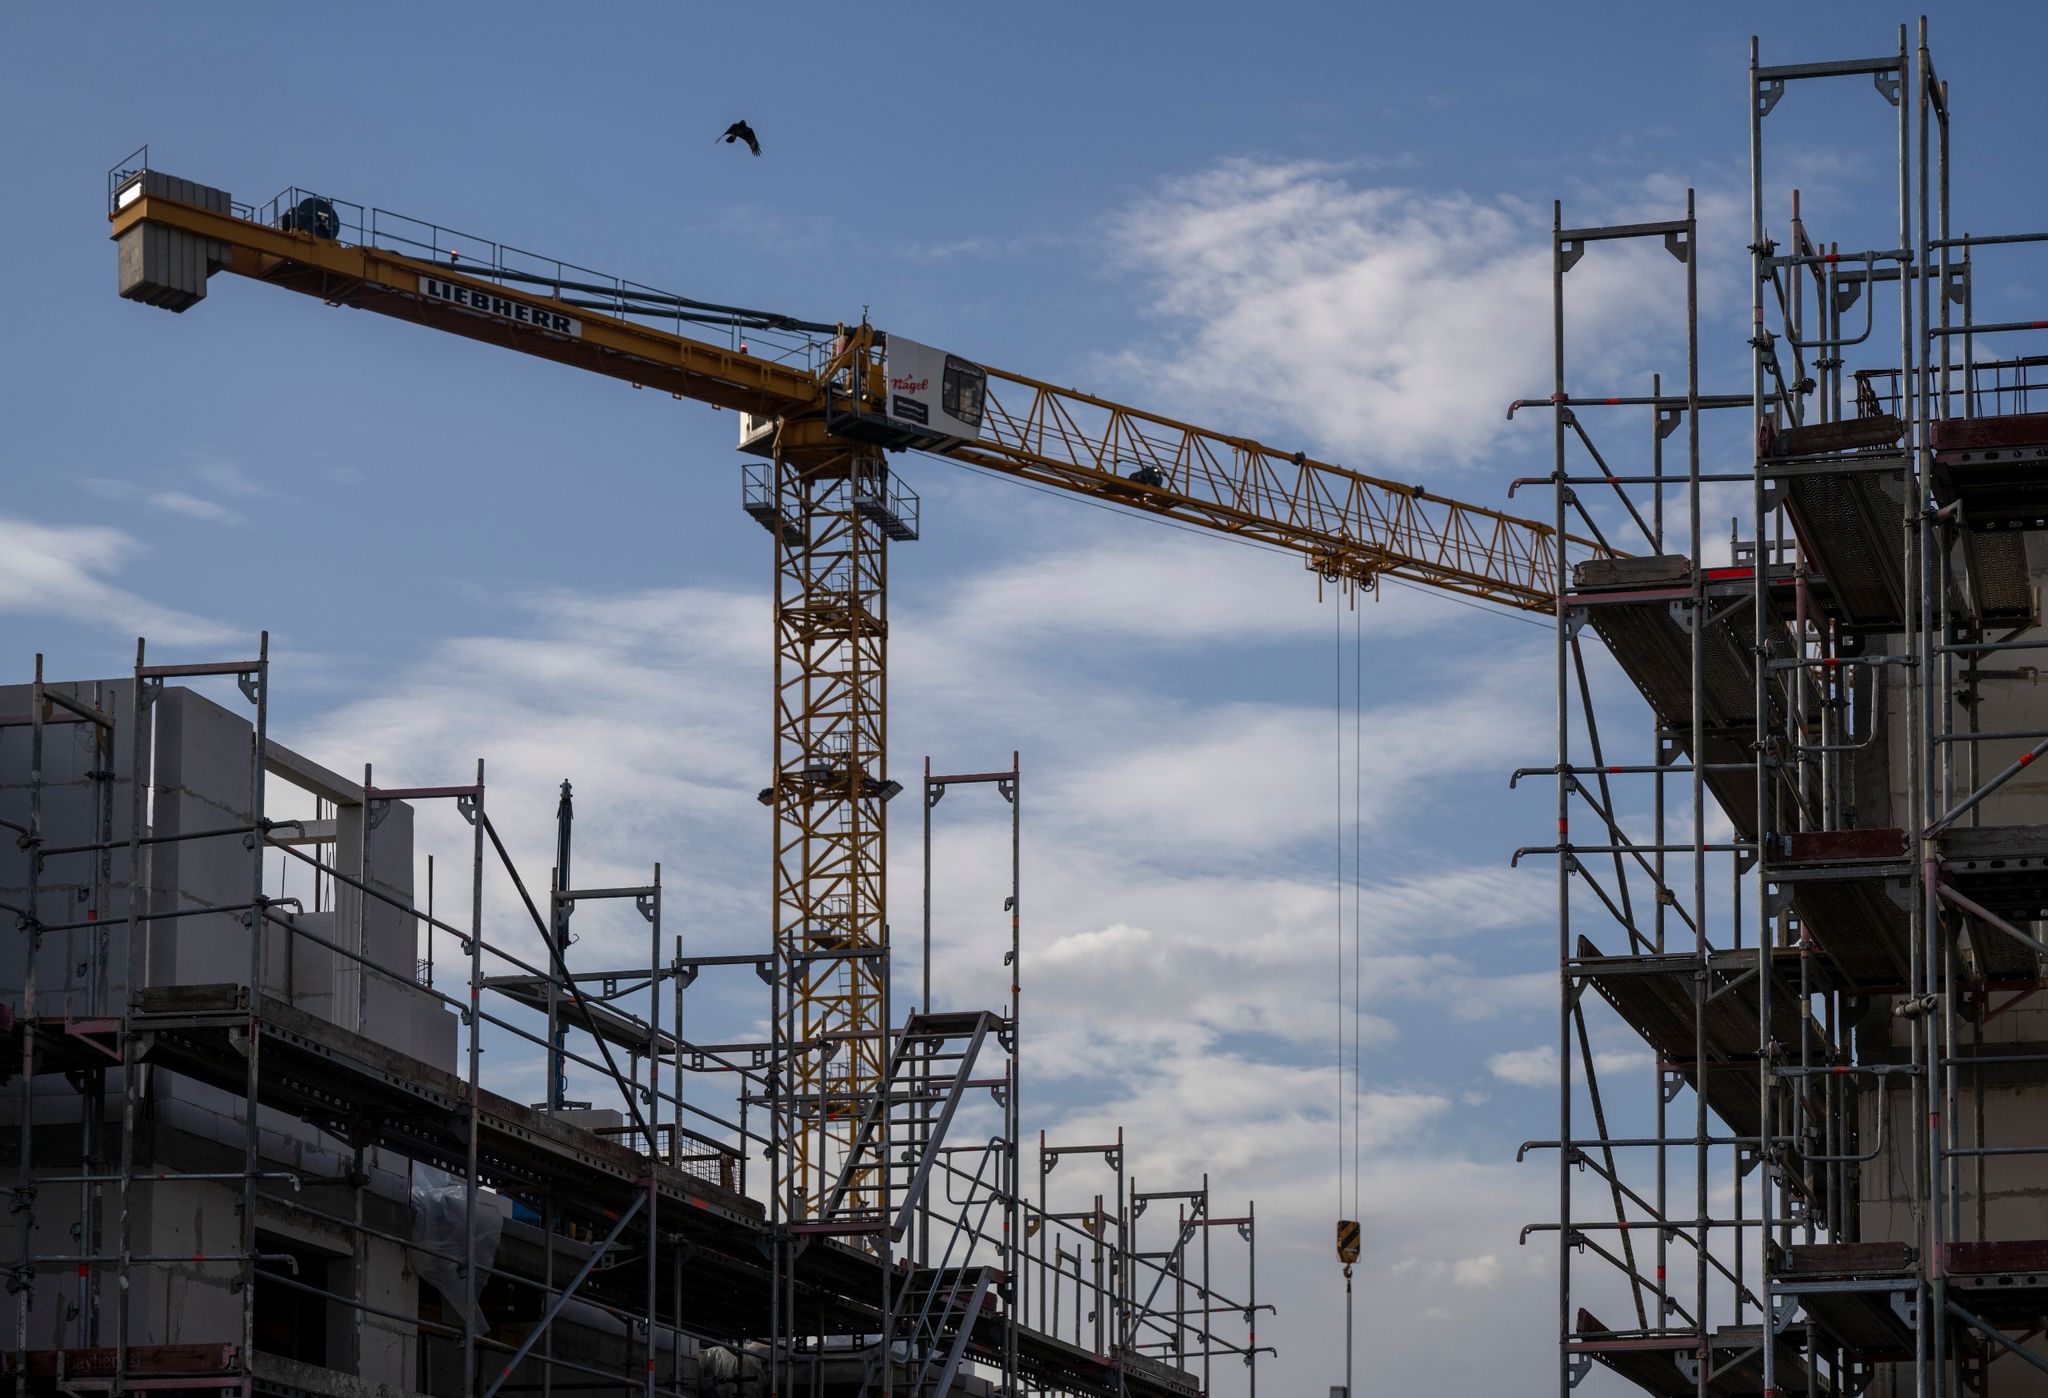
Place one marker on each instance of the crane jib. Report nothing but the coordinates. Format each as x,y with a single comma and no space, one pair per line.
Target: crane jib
504,307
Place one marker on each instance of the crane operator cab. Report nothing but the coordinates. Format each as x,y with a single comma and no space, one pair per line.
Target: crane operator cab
934,391
928,398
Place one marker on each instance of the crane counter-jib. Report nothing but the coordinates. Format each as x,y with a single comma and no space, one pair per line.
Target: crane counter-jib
173,234
469,304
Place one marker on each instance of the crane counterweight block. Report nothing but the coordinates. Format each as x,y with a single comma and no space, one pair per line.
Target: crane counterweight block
163,266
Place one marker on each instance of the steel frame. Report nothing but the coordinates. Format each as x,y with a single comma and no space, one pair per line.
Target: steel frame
623,1024
830,797
1743,945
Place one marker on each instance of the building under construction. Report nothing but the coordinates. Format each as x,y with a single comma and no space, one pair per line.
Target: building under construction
258,1151
259,1148
1814,885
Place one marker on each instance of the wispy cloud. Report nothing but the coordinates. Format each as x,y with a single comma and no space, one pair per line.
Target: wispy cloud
179,502
1537,1067
1019,245
200,491
66,572
226,478
773,230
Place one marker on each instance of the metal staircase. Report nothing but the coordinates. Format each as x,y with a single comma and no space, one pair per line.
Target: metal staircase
885,1184
888,1166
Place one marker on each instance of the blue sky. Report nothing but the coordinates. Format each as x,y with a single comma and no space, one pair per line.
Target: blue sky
1319,224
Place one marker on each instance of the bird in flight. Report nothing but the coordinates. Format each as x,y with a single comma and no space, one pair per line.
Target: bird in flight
740,131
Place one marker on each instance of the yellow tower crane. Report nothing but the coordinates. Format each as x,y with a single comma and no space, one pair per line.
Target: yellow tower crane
823,420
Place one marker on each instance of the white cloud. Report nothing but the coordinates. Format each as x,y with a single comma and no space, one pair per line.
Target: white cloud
229,479
1254,777
1488,996
647,702
195,492
1378,321
1537,1067
1113,594
63,571
986,247
1482,1272
179,502
770,229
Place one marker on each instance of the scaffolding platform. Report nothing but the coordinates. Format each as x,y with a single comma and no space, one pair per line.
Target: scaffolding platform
1635,605
1649,1361
1848,514
63,1044
2005,869
185,1368
1859,1293
351,1085
1666,1363
1996,466
2000,1281
588,1013
1995,471
1655,996
1850,889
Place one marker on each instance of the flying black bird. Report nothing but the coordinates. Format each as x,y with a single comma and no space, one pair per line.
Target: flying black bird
740,131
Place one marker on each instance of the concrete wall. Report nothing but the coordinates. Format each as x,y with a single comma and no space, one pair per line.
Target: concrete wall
2014,698
72,888
2002,1198
199,759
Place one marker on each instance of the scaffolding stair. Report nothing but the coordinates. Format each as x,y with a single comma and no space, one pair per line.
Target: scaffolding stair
933,1313
897,1145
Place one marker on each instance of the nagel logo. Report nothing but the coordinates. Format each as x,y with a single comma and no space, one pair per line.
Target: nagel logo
903,383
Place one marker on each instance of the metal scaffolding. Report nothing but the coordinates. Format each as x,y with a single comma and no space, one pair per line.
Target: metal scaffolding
184,1030
1817,898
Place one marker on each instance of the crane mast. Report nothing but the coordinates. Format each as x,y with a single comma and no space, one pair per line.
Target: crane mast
822,424
830,796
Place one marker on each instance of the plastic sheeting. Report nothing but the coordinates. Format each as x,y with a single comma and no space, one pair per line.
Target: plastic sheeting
439,1215
724,1373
